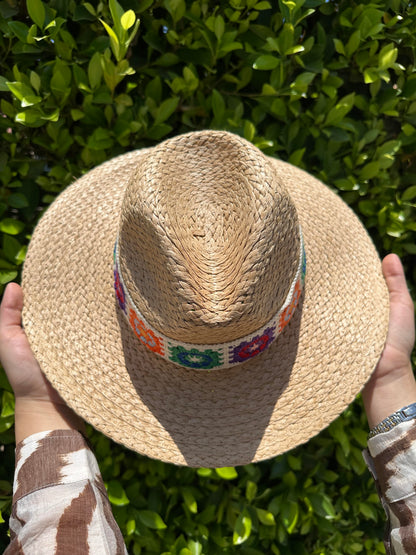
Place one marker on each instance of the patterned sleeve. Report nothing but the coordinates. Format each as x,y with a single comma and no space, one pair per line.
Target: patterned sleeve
391,458
60,504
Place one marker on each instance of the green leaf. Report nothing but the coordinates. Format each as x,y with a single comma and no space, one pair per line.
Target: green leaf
219,27
156,132
77,114
130,527
166,109
409,194
369,170
36,11
53,116
143,5
21,255
7,276
336,114
35,81
61,79
337,431
322,505
371,74
266,62
150,519
7,408
353,43
19,29
387,56
195,547
339,46
190,500
30,118
17,200
176,8
154,89
6,422
204,472
95,70
3,84
100,139
242,528
116,494
249,131
128,19
295,463
115,43
116,15
295,49
367,207
124,100
389,148
218,105
296,157
227,472
285,38
11,226
302,81
23,93
263,5
251,490
11,247
265,517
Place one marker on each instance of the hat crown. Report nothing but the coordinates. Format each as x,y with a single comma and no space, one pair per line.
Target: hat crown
208,238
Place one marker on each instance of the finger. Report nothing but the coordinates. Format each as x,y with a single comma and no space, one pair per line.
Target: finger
395,279
11,307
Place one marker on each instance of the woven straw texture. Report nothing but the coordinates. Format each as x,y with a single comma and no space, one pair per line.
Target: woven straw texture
210,244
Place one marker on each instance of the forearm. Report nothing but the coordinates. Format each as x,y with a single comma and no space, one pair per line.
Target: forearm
33,416
57,471
391,458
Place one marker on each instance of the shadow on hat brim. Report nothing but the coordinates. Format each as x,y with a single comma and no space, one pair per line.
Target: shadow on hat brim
213,417
252,412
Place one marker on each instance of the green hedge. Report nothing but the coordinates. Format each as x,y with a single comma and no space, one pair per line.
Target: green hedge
329,86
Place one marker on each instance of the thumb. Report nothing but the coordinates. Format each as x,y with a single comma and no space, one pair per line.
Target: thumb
11,309
395,279
401,321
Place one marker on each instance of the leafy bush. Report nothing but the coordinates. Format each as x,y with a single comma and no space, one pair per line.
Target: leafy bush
329,86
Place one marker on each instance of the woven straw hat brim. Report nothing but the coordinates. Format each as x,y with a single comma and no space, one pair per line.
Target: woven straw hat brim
252,412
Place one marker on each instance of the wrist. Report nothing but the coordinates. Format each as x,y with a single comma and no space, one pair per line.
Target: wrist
398,417
39,415
386,394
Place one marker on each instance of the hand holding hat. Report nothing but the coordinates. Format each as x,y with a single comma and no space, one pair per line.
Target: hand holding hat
38,407
392,385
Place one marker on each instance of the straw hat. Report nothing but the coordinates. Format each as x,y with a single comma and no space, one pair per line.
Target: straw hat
202,303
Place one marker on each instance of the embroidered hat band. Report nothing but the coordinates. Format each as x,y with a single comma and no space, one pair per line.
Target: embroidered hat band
207,357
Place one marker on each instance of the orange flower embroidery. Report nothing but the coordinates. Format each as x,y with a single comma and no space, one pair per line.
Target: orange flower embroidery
290,309
146,336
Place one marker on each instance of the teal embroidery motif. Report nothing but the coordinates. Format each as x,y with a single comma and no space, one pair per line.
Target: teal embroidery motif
193,358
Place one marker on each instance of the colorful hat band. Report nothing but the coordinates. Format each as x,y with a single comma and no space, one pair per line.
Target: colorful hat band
207,357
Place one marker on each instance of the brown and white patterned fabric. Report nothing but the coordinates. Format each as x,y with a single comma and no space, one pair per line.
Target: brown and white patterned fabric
60,504
391,458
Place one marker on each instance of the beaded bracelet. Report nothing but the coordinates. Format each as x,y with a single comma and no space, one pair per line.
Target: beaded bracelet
406,413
